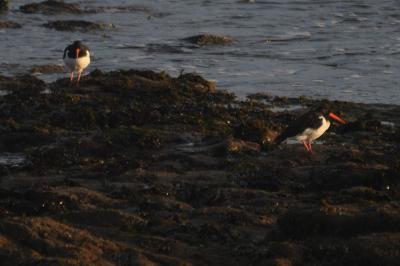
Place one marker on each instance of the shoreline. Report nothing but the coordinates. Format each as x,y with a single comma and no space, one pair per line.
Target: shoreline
138,167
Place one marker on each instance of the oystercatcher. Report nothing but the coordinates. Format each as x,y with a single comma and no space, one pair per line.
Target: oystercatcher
76,58
309,127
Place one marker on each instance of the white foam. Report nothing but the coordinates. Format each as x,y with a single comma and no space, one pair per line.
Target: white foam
388,124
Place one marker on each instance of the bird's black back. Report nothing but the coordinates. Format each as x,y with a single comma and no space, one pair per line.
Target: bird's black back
72,50
310,119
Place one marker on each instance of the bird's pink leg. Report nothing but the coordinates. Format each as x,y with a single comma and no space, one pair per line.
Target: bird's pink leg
305,145
79,77
71,77
310,148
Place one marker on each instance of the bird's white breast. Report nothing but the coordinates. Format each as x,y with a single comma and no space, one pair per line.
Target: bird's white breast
77,64
311,134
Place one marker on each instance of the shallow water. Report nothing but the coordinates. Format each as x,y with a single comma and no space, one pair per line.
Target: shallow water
346,50
12,159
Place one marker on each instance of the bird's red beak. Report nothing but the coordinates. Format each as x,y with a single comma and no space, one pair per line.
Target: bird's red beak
78,50
337,118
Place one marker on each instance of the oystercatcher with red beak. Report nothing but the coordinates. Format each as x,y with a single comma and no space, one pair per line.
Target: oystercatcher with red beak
309,127
76,58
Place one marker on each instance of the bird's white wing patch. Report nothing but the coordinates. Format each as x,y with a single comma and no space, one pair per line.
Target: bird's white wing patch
311,134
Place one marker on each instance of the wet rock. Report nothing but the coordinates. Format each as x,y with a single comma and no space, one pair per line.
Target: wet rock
367,193
3,5
367,123
215,232
141,137
227,146
58,235
204,39
48,69
24,85
20,140
303,223
237,145
278,262
76,25
229,215
369,249
51,7
256,130
197,82
9,25
106,218
373,249
334,178
140,164
294,252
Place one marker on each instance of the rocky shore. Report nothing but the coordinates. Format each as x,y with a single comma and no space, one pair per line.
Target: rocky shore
141,168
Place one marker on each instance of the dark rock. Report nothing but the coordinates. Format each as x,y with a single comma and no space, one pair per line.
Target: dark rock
3,5
292,251
277,262
48,69
363,124
137,164
51,7
141,137
24,85
373,249
17,141
300,223
237,145
256,130
196,81
104,218
9,25
76,25
204,39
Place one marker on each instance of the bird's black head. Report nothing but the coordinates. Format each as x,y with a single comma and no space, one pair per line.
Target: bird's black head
77,43
76,50
325,109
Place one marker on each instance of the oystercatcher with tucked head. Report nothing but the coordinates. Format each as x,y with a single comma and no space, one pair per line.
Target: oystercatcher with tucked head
309,126
76,58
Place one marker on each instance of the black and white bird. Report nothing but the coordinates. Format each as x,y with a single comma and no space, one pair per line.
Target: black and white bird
76,58
309,127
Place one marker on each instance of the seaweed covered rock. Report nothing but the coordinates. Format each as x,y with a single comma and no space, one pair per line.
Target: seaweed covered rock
48,69
196,81
204,39
298,223
9,25
134,136
24,85
145,80
76,25
3,5
235,146
152,164
51,7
